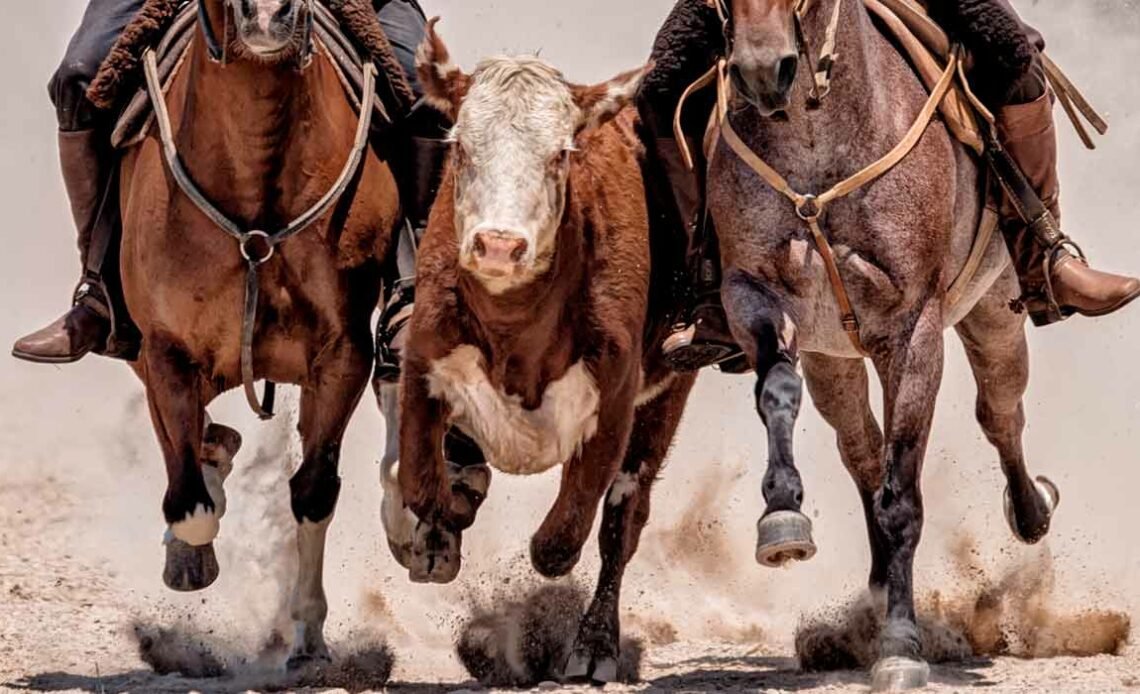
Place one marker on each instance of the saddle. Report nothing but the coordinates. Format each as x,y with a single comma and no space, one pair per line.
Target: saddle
330,38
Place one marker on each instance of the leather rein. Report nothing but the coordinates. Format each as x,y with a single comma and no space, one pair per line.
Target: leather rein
810,207
257,247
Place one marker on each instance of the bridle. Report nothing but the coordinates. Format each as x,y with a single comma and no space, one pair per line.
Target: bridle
824,62
810,207
217,49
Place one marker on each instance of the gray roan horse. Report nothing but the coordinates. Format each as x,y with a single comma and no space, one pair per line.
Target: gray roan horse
899,243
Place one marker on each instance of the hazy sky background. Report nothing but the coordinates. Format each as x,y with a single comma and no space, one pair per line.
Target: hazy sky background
1083,404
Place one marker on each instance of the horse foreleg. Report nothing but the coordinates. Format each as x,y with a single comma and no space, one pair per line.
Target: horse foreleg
994,338
768,336
911,373
557,545
328,400
177,408
597,647
838,390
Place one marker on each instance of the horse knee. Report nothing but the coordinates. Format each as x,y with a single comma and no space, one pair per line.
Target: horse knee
316,486
779,394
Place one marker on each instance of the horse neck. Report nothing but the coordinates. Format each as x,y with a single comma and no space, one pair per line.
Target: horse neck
815,143
249,125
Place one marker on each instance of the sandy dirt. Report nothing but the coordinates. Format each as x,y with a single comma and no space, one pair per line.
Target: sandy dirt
82,606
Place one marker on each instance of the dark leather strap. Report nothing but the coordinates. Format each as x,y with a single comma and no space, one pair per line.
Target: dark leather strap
217,52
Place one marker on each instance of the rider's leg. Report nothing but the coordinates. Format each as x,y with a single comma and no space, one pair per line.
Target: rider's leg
1055,284
685,48
87,164
417,155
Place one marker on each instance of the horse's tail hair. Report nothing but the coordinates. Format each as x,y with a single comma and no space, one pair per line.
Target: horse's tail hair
120,66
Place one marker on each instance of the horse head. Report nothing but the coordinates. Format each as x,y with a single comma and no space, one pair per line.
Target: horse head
764,48
270,31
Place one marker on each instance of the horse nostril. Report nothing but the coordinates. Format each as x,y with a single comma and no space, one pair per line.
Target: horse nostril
284,12
479,249
520,251
786,73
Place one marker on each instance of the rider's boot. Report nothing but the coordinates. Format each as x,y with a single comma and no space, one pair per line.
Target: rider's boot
419,176
88,325
1056,280
701,336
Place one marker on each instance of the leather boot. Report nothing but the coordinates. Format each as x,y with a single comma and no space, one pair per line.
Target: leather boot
1056,280
88,325
419,175
701,336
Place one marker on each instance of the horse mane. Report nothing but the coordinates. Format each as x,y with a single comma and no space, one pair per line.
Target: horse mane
120,69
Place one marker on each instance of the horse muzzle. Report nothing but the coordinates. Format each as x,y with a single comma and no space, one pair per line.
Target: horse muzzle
268,28
765,85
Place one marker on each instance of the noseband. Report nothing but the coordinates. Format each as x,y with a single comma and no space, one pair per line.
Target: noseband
217,49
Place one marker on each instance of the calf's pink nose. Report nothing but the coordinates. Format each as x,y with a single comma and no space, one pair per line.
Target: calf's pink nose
497,252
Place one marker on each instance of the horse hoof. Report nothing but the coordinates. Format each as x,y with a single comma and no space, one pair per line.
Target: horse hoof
1050,496
401,552
577,668
189,568
897,674
435,555
302,662
784,536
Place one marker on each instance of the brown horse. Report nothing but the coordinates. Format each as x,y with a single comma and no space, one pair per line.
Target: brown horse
899,241
263,140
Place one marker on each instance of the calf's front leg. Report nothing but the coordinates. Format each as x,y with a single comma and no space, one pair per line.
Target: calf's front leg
427,486
557,546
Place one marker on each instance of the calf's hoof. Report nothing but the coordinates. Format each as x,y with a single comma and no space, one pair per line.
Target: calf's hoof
435,555
782,537
1034,528
469,485
584,667
307,662
898,674
188,567
553,559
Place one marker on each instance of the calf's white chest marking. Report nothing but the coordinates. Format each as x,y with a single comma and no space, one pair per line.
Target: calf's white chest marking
516,440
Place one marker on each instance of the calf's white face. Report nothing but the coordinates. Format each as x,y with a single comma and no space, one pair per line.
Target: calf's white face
516,121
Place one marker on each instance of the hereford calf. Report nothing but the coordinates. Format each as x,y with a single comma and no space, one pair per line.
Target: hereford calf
537,318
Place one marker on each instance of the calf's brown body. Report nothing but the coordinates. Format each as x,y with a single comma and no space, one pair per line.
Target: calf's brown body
573,350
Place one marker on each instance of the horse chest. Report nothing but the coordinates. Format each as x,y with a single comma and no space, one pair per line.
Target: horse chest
517,440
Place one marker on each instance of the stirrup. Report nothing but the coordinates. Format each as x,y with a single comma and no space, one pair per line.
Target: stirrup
123,339
683,352
393,319
1043,308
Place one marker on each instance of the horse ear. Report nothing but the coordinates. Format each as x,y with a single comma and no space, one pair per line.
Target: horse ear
601,102
445,84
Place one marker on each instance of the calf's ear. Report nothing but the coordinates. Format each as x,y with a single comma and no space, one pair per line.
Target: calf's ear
445,84
601,102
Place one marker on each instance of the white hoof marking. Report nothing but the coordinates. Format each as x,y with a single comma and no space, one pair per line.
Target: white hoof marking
199,528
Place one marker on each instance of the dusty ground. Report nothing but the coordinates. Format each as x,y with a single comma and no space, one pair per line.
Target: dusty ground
81,478
79,612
